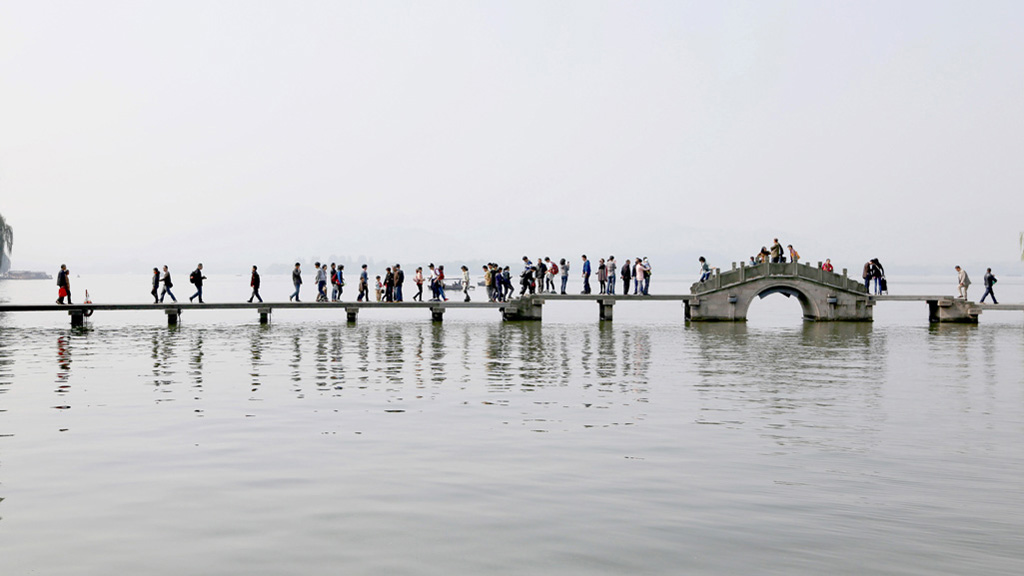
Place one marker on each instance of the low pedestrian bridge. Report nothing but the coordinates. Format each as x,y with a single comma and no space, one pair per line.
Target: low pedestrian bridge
824,296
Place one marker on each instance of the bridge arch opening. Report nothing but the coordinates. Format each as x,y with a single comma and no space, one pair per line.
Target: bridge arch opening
795,306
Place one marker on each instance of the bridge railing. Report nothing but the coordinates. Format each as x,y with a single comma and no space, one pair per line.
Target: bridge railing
789,269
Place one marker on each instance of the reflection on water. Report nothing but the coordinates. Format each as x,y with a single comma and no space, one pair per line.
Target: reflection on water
703,448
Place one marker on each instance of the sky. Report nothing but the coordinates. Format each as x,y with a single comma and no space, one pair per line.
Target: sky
134,134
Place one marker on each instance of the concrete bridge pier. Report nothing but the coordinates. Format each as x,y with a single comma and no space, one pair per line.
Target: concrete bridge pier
437,314
77,318
173,315
264,315
352,314
953,310
606,309
524,309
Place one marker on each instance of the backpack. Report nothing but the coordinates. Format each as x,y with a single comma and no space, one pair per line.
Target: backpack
554,268
192,277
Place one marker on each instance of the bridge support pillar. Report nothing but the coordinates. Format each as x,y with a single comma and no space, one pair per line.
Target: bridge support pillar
173,315
351,313
606,309
524,309
437,314
953,310
77,318
264,315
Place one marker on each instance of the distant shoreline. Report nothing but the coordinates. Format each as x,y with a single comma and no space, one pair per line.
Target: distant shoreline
25,275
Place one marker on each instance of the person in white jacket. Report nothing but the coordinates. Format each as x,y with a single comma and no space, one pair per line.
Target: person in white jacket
964,282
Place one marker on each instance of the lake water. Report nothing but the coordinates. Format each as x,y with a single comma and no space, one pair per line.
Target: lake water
476,446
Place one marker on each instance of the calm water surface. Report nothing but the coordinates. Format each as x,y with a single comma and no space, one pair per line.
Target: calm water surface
401,446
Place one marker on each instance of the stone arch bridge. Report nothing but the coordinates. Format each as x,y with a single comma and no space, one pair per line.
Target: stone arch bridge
824,296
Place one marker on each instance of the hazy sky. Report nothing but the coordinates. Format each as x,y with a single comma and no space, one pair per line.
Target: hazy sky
141,133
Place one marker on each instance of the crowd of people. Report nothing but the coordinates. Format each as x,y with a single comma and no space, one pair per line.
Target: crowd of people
543,277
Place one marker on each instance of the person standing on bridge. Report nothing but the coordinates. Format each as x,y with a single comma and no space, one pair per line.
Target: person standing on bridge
586,275
638,276
602,276
963,281
878,273
321,282
197,278
389,285
794,256
63,285
296,281
627,275
990,281
647,277
613,271
777,257
254,282
868,273
565,273
333,279
827,266
166,279
552,272
705,270
156,285
364,285
399,280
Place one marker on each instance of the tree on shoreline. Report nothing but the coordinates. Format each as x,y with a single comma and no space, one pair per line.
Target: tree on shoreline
6,241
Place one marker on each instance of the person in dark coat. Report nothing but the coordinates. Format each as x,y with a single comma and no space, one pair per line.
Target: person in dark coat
197,278
254,281
156,285
63,285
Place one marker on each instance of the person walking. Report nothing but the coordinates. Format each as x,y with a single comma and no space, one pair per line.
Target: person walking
627,275
63,285
418,280
586,275
565,273
613,271
794,256
647,277
321,282
990,281
197,278
963,282
399,280
705,270
166,279
389,285
297,282
364,285
465,282
440,283
254,282
433,282
333,279
156,285
341,281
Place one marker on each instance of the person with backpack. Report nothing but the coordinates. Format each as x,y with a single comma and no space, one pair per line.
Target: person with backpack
705,270
340,276
296,281
166,279
321,282
333,279
254,282
990,281
440,283
197,278
552,272
364,285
